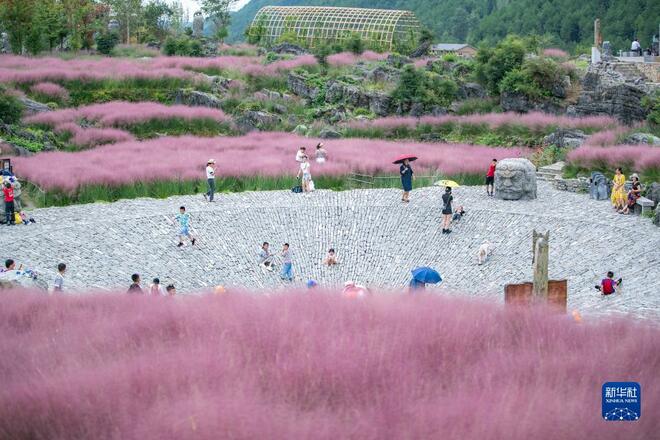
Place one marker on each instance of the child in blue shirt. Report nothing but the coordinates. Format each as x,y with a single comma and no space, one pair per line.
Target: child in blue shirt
183,218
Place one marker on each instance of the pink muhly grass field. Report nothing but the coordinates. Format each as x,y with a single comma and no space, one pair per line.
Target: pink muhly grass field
17,69
348,58
256,154
301,365
51,90
532,120
639,157
553,52
92,136
31,70
119,113
606,137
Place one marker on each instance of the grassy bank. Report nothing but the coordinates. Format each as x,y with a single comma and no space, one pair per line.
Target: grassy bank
646,176
163,189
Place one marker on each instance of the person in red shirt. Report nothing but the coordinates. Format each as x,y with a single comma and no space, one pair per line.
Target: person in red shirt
608,285
490,178
8,192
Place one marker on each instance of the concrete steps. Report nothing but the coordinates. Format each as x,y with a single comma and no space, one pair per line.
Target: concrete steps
549,172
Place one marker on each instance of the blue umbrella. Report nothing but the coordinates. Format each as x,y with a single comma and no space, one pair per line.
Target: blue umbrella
426,275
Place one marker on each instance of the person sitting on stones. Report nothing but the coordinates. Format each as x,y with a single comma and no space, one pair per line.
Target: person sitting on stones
634,194
608,285
331,258
618,197
321,154
458,213
266,257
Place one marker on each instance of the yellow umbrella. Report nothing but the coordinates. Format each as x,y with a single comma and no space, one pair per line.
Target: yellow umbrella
449,183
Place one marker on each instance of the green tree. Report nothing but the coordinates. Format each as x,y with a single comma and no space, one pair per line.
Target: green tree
106,41
218,12
16,17
494,64
355,43
51,15
156,18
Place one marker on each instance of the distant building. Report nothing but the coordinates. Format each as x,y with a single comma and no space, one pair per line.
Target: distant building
461,49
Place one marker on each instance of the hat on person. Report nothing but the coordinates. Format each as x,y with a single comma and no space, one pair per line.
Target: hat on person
634,175
210,161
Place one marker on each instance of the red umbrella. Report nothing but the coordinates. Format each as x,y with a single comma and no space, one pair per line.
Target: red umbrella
403,157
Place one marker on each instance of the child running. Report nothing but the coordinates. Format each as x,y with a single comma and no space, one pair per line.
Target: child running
183,218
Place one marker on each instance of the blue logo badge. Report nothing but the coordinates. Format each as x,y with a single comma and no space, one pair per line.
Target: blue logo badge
622,401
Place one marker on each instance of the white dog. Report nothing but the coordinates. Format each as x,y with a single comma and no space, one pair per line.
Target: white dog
485,250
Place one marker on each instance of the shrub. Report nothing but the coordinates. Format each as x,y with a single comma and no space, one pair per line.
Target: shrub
536,78
50,90
355,44
106,42
476,105
11,108
494,64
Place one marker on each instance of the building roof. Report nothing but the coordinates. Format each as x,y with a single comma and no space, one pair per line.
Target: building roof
449,47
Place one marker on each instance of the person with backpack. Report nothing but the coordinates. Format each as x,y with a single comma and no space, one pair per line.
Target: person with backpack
608,286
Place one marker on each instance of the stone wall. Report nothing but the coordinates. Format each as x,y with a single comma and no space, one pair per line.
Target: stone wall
579,185
650,70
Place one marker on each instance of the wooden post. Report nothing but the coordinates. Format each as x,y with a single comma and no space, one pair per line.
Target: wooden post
598,39
540,263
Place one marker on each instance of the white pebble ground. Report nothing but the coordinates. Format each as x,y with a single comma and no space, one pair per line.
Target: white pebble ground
378,240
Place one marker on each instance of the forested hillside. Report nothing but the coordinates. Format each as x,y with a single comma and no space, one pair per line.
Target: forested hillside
567,23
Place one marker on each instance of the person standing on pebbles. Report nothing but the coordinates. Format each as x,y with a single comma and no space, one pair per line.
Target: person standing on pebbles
447,212
210,179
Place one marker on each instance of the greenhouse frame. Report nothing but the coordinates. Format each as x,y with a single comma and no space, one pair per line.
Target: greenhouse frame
316,24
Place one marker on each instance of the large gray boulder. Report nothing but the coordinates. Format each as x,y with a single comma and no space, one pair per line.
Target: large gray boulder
196,98
31,107
515,179
656,218
565,138
653,192
329,134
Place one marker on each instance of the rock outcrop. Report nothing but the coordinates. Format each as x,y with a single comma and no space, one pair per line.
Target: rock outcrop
642,138
298,85
196,98
256,120
288,48
608,92
565,138
521,103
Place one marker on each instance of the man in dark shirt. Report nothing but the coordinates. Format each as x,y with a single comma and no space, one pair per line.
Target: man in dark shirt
135,287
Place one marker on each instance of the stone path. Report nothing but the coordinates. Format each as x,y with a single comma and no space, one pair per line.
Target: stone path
377,238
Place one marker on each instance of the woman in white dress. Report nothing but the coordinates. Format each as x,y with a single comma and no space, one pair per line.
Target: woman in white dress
306,174
321,154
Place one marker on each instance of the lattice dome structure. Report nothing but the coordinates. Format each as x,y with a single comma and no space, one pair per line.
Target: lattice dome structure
314,24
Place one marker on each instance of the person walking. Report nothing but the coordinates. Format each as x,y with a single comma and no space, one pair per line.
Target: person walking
210,179
287,265
446,210
490,178
618,197
8,192
406,172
